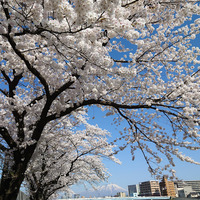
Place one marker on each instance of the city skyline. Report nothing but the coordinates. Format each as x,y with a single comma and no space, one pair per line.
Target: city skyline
147,188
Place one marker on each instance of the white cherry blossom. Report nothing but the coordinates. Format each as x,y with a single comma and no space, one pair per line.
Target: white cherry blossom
136,59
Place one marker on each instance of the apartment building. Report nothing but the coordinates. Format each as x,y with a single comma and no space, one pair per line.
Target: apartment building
150,188
167,188
194,184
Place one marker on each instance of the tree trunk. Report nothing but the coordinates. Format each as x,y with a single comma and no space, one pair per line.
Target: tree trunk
13,174
10,184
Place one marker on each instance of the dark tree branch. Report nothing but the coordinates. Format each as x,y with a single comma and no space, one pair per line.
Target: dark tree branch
28,65
3,148
6,77
111,104
128,4
14,83
6,136
34,101
61,89
146,159
4,92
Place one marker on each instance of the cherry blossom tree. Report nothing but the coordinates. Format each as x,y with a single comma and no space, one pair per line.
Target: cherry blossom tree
76,159
132,58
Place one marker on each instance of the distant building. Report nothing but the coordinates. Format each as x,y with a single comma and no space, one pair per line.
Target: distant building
133,190
150,188
76,196
185,191
181,193
188,190
167,188
121,194
194,184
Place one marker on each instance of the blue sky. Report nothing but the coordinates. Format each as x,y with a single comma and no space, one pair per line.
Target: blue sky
133,172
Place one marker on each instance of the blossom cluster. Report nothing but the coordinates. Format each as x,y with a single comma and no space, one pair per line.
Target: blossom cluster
137,60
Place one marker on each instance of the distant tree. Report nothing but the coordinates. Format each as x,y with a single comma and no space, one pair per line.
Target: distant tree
132,58
65,157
